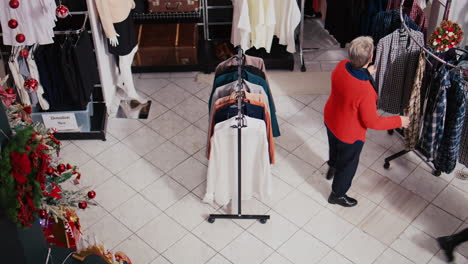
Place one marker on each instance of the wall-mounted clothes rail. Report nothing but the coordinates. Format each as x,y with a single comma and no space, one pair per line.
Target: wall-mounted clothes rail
435,172
241,123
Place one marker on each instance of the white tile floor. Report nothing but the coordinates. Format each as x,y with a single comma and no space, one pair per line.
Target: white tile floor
150,176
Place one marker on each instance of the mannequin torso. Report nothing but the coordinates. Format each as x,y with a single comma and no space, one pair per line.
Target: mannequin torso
113,11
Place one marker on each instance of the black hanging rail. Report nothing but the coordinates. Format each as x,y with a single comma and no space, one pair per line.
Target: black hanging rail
241,123
435,171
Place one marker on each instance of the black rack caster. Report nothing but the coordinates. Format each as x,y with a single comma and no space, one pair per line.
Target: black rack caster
263,221
386,165
390,132
303,68
436,173
211,220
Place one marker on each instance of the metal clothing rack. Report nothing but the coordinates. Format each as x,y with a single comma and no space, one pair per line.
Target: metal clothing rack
435,172
241,123
301,39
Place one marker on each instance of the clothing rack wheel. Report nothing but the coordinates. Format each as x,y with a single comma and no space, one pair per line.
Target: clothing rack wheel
390,132
436,173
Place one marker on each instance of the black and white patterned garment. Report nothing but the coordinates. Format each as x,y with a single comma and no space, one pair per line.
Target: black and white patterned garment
463,159
396,63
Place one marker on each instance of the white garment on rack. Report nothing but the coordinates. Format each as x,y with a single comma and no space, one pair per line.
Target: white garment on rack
288,17
34,72
19,82
262,21
36,20
222,177
240,32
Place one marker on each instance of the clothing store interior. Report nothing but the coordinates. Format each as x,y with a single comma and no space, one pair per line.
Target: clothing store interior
233,131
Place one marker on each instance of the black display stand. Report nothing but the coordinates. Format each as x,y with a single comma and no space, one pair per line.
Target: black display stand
240,124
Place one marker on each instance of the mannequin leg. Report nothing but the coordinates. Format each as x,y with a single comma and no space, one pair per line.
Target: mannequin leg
126,78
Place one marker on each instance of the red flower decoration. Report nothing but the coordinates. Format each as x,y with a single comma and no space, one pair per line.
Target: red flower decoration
22,166
28,109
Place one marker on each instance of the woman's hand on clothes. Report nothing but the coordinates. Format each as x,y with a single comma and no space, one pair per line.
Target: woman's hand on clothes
114,41
371,69
405,121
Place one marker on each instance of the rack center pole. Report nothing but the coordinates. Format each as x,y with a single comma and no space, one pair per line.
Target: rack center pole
239,173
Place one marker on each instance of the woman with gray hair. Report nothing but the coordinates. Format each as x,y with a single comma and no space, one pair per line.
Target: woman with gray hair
350,110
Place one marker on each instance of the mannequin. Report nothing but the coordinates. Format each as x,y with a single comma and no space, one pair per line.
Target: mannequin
118,26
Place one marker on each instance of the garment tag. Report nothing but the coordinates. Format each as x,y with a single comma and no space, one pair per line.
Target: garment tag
61,122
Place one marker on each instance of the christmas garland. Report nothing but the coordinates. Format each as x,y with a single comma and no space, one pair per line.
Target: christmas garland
30,178
22,169
448,35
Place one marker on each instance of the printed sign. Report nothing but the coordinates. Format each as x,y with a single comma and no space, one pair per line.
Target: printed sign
62,122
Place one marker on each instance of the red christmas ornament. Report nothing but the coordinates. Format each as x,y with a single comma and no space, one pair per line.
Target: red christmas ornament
61,168
24,53
78,176
14,3
43,214
10,91
20,38
50,170
83,205
62,11
69,167
31,85
12,23
91,194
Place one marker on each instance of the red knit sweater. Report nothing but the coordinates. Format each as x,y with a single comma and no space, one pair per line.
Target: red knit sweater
352,108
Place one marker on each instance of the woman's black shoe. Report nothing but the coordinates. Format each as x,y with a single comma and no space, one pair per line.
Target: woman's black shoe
344,201
447,246
331,173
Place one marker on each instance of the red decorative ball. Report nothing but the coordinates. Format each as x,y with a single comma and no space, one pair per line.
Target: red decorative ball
20,38
91,194
61,168
24,53
14,3
50,170
31,85
43,214
62,11
10,91
83,205
13,23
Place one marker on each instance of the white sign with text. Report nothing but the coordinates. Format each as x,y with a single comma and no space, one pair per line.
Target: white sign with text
61,122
